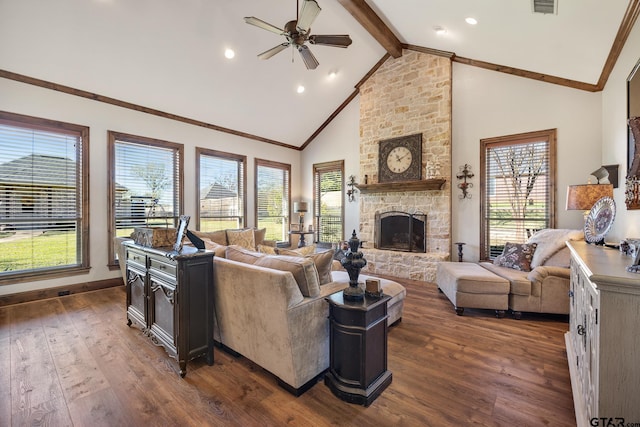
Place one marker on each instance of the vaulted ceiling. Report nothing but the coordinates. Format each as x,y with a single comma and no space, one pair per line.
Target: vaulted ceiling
167,56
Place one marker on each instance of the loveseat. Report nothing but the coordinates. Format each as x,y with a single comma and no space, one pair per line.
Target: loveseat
271,309
541,285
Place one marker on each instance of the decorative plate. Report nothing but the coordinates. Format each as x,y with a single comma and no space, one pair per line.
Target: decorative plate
599,220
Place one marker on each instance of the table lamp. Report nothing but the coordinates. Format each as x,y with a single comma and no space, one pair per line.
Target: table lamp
301,208
583,197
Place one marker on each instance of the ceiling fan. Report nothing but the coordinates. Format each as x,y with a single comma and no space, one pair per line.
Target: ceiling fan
297,34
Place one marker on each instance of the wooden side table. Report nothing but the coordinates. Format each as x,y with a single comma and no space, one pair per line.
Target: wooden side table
358,348
302,243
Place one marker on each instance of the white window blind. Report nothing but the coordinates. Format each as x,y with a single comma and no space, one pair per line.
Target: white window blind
222,193
328,201
518,191
41,198
146,188
272,199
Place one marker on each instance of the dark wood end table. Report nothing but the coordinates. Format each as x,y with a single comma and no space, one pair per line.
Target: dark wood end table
358,348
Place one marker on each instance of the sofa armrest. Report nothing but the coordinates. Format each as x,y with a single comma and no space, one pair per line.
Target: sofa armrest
271,243
538,274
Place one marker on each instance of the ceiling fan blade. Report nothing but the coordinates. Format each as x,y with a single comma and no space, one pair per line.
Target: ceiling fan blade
264,25
269,53
308,14
310,61
331,40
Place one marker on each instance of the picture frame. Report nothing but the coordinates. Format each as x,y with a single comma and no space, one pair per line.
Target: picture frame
183,222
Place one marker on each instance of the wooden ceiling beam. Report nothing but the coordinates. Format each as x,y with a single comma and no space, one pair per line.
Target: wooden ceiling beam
371,22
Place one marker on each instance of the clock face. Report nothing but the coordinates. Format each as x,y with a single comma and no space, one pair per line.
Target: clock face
399,159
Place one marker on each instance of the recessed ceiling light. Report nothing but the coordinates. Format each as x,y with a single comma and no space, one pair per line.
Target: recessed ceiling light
332,74
300,89
440,30
471,21
229,53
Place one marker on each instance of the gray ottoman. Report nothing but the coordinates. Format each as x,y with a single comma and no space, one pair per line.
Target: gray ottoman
467,285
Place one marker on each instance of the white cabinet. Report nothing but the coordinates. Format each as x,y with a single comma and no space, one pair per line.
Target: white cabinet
603,342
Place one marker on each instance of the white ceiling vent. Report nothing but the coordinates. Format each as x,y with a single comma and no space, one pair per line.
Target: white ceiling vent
545,6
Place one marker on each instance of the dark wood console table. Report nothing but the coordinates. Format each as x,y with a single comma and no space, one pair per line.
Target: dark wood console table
170,297
358,348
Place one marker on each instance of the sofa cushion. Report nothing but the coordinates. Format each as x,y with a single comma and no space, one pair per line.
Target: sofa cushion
303,270
323,262
258,236
269,250
519,283
303,251
517,256
244,238
220,236
219,250
550,241
238,253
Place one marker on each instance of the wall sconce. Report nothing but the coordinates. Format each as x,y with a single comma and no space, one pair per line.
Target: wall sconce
351,192
465,173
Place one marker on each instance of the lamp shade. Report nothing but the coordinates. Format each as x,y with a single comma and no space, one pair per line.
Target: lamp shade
583,197
300,207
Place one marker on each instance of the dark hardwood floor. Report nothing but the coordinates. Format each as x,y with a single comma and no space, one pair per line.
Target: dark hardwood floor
73,361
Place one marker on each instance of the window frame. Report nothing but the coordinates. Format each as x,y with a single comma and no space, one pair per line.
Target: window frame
275,165
200,152
327,167
82,196
112,138
548,136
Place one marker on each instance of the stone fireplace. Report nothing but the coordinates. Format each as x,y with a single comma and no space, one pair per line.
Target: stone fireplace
401,231
405,96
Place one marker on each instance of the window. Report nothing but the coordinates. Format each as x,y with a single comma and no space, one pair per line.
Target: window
273,198
328,196
44,201
221,190
145,184
517,183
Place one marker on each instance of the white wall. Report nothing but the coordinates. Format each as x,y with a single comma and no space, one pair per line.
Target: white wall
614,134
489,104
34,101
340,140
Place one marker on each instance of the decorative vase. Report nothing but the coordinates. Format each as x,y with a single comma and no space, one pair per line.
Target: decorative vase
353,262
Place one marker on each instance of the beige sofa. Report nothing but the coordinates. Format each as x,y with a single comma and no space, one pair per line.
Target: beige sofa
544,289
262,314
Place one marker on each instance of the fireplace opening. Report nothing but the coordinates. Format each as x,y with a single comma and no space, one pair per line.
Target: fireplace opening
401,231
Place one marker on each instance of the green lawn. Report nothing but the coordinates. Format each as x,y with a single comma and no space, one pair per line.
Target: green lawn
37,250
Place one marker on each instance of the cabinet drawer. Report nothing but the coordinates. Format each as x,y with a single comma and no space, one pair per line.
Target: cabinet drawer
137,258
163,268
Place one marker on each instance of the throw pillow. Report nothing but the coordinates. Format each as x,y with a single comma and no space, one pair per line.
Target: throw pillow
244,238
269,250
303,270
220,236
516,256
303,251
324,264
219,250
258,236
238,253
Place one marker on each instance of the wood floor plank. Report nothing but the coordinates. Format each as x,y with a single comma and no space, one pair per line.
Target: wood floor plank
447,370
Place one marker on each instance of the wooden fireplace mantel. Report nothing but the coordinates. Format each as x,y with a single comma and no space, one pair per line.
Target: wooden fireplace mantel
422,185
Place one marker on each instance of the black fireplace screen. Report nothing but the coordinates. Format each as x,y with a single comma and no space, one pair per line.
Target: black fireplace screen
401,231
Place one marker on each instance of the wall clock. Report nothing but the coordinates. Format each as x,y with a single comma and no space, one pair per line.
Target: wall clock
400,159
